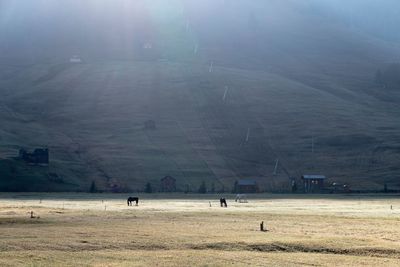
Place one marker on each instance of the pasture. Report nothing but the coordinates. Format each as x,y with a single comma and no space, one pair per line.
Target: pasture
184,230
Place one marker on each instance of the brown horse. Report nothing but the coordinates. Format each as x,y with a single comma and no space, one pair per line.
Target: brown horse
222,201
132,199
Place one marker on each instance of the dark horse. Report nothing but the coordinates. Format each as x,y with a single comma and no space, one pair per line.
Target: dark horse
132,199
222,201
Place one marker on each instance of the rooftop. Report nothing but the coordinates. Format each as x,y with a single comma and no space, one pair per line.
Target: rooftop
247,182
313,176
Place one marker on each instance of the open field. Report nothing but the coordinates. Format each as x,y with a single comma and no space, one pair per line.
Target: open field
183,230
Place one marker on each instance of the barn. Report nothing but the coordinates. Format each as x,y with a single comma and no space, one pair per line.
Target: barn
75,59
313,183
40,156
247,186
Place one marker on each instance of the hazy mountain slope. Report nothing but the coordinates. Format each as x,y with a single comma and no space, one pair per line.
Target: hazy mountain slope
288,72
98,121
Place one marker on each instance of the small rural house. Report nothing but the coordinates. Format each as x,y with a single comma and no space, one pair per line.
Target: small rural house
168,184
247,186
75,59
313,183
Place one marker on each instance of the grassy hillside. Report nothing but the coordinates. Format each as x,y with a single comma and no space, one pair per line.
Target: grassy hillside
228,94
92,117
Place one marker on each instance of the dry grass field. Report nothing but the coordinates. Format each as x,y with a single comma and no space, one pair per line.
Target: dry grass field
183,230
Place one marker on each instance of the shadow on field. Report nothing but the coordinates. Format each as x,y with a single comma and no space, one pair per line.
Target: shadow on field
303,248
22,221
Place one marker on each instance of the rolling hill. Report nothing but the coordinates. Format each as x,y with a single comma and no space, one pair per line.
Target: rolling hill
229,86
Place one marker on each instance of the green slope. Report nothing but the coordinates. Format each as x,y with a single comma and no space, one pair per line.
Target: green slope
92,117
283,74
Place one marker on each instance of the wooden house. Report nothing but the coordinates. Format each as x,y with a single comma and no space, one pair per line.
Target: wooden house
313,183
247,186
39,156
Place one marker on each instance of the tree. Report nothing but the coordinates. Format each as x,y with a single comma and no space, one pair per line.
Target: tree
148,189
187,189
202,188
294,186
93,188
235,188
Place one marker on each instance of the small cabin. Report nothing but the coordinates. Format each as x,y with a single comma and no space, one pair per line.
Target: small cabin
75,59
40,156
313,183
168,184
247,186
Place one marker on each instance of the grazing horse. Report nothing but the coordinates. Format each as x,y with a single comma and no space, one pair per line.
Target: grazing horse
132,199
222,201
242,198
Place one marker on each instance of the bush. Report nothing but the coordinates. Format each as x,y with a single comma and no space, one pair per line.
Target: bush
148,189
202,188
93,188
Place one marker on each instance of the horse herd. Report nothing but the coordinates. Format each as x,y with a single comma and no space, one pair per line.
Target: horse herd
241,198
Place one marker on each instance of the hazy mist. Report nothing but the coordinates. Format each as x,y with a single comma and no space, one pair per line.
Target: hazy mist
47,29
127,92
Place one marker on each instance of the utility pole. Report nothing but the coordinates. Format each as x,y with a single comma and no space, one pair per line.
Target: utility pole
312,145
210,69
276,167
226,91
248,135
312,151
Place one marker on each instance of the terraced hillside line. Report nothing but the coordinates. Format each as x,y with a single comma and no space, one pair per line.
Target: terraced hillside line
175,164
202,145
219,122
53,72
200,133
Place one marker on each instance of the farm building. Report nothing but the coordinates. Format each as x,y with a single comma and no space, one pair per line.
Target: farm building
75,59
313,183
247,186
168,184
39,156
